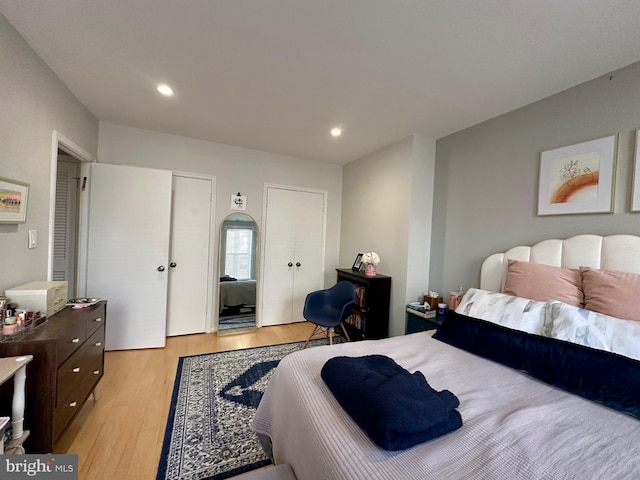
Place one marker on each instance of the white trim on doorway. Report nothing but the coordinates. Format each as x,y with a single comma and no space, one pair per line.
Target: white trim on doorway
59,141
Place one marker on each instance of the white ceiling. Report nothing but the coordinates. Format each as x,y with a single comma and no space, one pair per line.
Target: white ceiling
276,75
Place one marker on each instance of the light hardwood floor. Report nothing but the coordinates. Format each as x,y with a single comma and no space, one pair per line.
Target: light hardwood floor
119,435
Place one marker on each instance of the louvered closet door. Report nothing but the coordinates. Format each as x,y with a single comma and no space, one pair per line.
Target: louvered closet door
294,234
65,223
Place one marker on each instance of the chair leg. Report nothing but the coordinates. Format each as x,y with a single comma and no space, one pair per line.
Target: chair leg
331,336
310,336
344,330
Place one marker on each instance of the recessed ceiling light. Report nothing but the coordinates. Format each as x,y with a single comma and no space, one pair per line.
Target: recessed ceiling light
165,90
336,131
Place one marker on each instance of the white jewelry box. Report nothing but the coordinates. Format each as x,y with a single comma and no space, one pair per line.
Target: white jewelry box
46,297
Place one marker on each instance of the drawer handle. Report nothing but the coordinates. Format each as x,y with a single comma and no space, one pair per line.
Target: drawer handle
96,372
99,319
75,340
75,370
98,344
73,404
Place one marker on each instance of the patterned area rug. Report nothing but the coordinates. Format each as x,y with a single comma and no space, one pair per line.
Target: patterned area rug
214,398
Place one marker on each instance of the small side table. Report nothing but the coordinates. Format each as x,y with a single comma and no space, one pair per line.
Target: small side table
15,367
420,322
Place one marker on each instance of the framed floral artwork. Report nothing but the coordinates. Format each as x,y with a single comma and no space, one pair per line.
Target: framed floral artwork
13,201
635,196
578,178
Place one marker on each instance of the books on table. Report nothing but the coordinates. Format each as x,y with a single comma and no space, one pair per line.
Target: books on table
418,309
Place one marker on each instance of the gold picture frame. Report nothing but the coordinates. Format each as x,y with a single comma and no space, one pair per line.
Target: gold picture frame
635,196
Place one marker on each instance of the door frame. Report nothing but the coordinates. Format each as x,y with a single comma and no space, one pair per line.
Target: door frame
263,239
59,141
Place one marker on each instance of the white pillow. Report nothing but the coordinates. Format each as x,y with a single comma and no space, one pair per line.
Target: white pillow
592,329
512,312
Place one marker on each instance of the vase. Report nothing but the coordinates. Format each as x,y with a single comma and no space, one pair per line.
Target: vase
370,270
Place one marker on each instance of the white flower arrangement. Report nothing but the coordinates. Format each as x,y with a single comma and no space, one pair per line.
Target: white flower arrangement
371,257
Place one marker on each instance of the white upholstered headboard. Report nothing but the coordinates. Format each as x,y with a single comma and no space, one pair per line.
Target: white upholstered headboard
613,252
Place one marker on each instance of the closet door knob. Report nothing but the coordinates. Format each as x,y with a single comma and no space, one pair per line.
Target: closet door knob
161,268
297,264
290,264
173,264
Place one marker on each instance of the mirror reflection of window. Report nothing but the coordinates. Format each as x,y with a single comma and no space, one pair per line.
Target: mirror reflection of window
238,242
237,262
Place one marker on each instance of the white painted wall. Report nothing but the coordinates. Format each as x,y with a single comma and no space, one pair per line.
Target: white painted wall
386,208
34,104
423,161
236,170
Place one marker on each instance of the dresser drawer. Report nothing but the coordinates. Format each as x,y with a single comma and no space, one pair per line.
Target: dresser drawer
80,373
63,415
71,340
96,320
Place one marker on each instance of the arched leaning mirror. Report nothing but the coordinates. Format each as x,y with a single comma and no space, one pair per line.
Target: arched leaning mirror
238,273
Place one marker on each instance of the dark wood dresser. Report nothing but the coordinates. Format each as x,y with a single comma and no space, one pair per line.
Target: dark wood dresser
68,362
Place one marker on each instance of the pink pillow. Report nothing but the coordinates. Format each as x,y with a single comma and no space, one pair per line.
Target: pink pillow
544,282
613,293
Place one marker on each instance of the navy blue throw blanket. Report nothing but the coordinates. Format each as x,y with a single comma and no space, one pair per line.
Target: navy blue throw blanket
395,408
603,377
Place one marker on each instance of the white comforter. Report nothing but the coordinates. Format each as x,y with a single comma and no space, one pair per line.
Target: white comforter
240,292
514,427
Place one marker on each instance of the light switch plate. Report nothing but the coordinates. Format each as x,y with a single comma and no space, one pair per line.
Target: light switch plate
33,238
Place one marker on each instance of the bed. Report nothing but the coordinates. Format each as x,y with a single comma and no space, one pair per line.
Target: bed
516,425
237,293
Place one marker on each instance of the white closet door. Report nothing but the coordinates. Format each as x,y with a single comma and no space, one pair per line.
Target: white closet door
189,279
309,248
277,286
294,234
127,264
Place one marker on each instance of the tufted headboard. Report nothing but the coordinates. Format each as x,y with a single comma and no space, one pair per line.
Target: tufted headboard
613,252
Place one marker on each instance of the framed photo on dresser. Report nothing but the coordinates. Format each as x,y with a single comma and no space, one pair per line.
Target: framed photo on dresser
357,263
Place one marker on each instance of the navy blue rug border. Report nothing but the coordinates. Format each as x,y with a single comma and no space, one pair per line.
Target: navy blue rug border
166,442
241,349
164,451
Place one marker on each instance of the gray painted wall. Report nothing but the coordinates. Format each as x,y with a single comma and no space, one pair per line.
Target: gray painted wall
34,104
487,176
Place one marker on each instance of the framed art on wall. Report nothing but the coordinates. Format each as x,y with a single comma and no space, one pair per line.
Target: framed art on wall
635,196
577,178
238,202
13,201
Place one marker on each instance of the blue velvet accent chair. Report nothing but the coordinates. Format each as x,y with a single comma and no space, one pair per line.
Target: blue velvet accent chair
328,308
